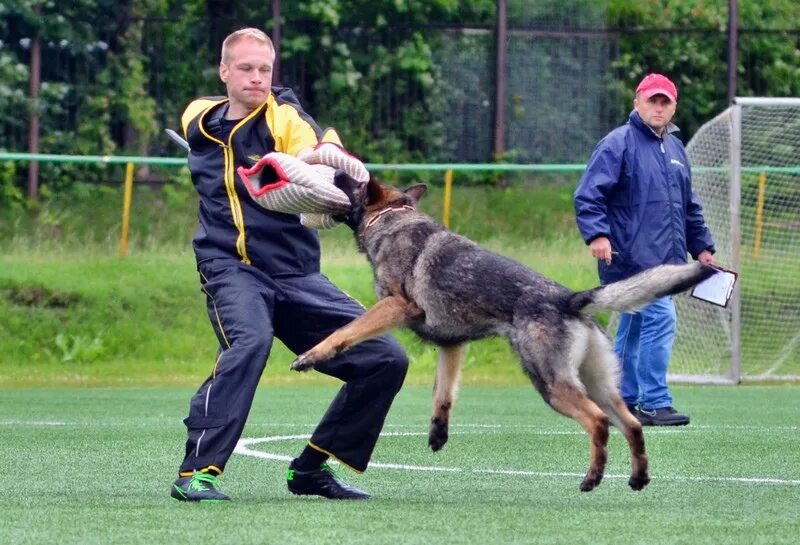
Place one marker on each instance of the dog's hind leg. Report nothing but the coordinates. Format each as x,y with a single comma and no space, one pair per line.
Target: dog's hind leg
599,373
570,401
448,376
632,430
551,357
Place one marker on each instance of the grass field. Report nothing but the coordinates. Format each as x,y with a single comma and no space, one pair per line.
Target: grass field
95,465
99,357
69,319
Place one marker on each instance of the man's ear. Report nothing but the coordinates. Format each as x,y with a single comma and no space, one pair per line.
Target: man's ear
223,72
416,192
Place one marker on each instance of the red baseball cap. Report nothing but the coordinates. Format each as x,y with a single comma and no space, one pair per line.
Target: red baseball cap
657,84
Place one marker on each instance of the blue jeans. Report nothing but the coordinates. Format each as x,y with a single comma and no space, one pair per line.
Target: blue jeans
644,347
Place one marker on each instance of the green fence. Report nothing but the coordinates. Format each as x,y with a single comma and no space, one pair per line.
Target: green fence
449,170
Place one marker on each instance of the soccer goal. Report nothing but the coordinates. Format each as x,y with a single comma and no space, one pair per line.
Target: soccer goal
746,170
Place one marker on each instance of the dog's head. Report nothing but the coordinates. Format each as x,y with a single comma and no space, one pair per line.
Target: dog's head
368,199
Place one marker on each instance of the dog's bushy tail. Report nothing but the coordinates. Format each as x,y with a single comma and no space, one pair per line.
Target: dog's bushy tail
635,292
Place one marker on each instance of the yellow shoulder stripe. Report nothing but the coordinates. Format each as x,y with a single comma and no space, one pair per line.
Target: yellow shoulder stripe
330,135
195,108
291,132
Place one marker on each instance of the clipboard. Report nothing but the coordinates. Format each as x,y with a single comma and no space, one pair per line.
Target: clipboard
716,289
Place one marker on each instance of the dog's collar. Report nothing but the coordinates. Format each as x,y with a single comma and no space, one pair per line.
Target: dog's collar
385,211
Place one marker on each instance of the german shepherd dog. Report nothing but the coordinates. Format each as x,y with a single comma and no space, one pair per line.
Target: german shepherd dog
449,290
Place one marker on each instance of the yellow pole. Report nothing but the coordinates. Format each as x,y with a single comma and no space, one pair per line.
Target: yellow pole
126,209
448,190
762,184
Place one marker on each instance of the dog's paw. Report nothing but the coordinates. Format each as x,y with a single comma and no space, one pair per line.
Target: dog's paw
303,362
591,481
437,434
638,482
312,358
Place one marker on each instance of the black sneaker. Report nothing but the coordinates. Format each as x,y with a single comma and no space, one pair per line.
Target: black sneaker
632,408
321,482
202,487
665,416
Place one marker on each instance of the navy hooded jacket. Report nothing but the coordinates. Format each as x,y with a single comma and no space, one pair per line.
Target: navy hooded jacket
637,192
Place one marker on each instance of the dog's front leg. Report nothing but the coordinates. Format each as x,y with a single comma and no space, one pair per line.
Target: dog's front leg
448,376
385,315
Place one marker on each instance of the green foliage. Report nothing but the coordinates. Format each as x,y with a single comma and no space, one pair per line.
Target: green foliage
350,72
80,115
698,61
381,71
68,300
11,195
13,95
79,348
132,102
556,13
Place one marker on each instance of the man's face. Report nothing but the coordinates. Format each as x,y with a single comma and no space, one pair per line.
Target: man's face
656,111
247,73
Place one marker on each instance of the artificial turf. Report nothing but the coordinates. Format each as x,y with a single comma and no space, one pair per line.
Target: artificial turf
95,466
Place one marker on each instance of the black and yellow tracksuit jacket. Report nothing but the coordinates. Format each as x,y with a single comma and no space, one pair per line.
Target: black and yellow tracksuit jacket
260,272
232,225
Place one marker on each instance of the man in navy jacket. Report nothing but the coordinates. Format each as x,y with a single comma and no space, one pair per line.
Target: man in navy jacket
635,209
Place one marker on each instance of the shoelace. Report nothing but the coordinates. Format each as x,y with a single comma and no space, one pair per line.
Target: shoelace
324,467
199,481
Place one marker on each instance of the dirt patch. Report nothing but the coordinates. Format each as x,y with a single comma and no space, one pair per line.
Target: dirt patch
39,296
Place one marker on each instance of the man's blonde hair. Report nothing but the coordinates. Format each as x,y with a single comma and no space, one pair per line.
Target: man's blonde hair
242,33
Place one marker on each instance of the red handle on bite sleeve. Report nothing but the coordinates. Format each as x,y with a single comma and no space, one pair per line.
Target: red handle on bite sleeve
275,179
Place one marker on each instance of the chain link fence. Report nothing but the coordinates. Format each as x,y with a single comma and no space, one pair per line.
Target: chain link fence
563,89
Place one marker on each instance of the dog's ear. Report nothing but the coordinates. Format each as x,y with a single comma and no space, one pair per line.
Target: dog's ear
357,193
416,192
375,191
349,186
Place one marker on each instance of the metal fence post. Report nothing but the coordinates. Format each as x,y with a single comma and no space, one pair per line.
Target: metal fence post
126,209
735,195
448,191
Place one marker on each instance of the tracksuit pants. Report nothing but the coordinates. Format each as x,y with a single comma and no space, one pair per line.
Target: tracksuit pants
247,310
644,347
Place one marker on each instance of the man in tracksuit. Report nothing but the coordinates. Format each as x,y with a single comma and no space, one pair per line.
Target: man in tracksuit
260,271
636,209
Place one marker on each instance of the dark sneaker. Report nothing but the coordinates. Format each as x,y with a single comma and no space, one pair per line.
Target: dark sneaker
202,487
665,416
632,408
321,482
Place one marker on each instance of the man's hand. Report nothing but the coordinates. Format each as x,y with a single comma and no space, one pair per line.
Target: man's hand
706,257
601,249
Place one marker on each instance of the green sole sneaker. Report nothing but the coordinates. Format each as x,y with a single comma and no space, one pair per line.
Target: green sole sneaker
199,487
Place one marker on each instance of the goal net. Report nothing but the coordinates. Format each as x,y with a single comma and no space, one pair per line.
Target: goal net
746,170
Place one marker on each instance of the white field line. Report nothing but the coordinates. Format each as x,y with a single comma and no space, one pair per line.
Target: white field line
528,428
243,448
35,423
784,355
539,430
141,423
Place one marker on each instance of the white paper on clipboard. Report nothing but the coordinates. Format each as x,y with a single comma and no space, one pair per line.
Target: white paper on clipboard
716,289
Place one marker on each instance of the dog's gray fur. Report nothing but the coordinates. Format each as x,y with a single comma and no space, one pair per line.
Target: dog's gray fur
449,290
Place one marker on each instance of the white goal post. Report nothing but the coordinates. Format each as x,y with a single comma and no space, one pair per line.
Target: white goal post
746,170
